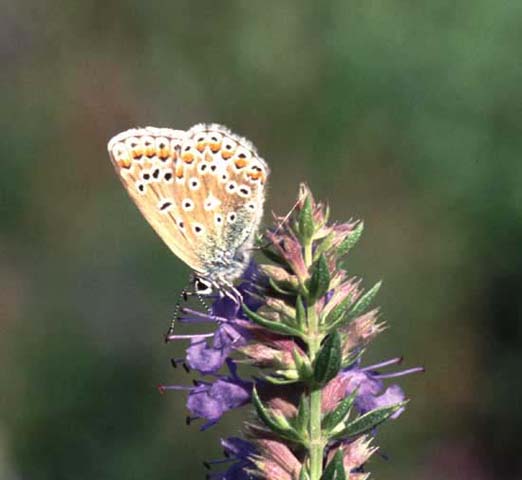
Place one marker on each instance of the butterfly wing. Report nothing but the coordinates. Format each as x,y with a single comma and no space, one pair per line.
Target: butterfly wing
224,181
145,161
201,190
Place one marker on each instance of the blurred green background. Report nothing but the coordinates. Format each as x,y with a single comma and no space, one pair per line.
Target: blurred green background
404,113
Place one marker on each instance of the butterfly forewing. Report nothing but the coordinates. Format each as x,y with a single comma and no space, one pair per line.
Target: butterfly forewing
201,190
145,160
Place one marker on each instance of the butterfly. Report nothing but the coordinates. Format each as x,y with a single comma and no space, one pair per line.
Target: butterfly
201,190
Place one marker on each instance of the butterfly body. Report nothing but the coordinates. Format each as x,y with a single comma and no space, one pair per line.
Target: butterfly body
202,191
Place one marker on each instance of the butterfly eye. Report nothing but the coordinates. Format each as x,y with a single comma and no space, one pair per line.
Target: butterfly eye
202,287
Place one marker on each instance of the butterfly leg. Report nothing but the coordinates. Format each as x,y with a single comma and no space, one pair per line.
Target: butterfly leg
230,291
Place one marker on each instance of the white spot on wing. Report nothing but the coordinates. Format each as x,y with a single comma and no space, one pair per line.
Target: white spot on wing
187,204
211,203
194,183
141,187
198,229
231,187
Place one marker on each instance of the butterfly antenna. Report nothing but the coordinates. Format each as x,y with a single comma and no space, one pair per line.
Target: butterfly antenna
280,225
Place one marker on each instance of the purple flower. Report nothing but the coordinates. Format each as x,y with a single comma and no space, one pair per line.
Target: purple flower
210,400
208,352
371,393
239,452
208,357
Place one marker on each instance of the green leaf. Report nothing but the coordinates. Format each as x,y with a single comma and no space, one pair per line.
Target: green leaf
278,424
339,413
328,361
349,242
300,312
274,256
324,246
364,302
303,474
369,420
335,469
302,365
277,327
280,380
320,280
352,357
302,418
306,221
280,288
335,317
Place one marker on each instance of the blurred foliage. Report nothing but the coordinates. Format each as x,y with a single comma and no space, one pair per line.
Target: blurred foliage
406,114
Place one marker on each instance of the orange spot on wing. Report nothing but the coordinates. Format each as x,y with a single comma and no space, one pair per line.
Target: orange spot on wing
163,153
179,171
150,150
187,157
137,152
124,163
201,146
241,163
226,155
215,146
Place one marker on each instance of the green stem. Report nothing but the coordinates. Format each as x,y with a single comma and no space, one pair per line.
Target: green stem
313,339
316,445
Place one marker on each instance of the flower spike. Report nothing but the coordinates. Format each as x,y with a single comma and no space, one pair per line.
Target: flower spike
303,325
